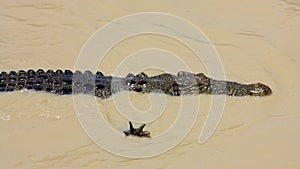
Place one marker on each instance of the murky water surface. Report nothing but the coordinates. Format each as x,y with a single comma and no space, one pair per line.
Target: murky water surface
256,41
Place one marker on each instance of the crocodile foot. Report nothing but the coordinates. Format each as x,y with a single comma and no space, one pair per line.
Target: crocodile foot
137,131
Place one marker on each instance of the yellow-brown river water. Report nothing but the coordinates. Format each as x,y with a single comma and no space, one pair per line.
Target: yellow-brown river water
256,41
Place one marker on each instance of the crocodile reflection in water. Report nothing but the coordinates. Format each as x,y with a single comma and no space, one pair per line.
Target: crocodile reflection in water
67,82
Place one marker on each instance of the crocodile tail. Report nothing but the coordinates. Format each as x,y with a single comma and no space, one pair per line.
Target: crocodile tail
58,81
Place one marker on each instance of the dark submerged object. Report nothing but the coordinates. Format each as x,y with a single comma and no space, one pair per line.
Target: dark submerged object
137,131
67,82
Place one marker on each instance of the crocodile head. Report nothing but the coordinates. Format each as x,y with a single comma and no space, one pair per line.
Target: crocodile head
259,89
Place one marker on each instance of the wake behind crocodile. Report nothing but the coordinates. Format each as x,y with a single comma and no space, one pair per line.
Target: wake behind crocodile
97,84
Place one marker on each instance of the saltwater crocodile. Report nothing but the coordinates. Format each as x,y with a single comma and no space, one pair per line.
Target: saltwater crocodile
67,82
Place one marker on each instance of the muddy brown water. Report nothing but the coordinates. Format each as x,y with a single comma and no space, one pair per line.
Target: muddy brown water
256,41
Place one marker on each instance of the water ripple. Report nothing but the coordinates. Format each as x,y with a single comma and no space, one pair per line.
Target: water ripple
292,5
44,6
